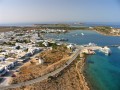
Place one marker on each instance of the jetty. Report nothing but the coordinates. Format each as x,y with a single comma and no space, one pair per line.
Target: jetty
112,45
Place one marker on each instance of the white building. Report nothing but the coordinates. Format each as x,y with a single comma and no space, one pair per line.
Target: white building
45,43
70,46
41,61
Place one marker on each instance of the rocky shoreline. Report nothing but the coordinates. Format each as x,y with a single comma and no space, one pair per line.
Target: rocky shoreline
106,34
80,68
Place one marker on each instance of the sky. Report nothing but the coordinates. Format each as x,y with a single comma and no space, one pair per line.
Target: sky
41,11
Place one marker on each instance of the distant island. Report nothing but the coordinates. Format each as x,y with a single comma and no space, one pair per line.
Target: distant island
105,30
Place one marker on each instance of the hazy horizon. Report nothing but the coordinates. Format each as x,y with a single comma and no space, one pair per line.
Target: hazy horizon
113,24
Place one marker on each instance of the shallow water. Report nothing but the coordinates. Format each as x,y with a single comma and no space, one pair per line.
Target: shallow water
104,74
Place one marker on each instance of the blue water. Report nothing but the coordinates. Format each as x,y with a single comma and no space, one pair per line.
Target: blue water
104,72
90,36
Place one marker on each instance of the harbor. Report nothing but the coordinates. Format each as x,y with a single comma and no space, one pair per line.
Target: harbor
59,45
99,64
27,51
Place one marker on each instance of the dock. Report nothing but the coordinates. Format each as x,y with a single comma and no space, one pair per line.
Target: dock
112,45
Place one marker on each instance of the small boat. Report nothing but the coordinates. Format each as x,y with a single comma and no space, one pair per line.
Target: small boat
118,47
82,34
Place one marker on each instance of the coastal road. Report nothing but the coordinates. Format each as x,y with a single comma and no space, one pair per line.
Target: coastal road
39,79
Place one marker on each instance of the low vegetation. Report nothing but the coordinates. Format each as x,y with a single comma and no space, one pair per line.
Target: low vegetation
53,59
68,79
103,29
56,54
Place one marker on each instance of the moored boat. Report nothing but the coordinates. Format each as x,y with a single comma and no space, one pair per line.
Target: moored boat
118,47
82,34
106,50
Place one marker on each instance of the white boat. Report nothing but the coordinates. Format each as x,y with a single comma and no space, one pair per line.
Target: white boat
92,44
82,34
106,50
118,47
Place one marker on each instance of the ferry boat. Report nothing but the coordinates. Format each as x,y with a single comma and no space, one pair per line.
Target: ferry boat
106,50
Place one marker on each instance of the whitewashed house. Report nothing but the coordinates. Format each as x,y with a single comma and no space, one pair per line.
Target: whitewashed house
45,44
70,46
41,61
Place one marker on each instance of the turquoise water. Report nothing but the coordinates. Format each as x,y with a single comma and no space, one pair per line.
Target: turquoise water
104,71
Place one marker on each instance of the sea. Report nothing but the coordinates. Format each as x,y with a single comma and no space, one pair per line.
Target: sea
104,71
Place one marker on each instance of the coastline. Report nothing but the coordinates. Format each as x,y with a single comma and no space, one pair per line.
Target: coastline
80,68
106,34
87,81
7,28
84,77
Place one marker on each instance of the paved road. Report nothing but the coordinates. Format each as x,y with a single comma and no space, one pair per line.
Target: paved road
39,79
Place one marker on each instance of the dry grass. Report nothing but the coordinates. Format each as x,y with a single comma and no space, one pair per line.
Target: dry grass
66,80
55,55
52,61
